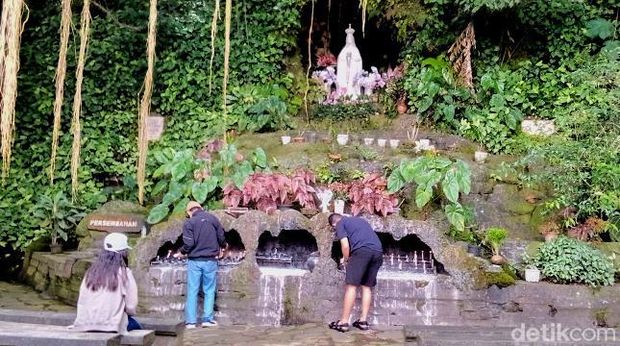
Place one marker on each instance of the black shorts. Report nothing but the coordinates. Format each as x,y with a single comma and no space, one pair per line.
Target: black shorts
363,266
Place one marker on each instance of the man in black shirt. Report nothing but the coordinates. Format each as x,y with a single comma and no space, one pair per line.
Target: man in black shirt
362,256
203,244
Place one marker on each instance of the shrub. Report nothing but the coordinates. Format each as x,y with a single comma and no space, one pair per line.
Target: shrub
565,260
494,238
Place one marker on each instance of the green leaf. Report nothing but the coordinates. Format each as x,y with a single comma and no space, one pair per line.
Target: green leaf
463,176
174,193
260,158
159,187
450,186
199,192
425,104
179,208
423,195
180,170
456,216
395,181
599,27
158,213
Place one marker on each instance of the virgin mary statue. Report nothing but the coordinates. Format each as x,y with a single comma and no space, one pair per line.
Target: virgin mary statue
349,67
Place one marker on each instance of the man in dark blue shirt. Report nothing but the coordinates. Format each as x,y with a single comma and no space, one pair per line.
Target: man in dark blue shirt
362,256
203,244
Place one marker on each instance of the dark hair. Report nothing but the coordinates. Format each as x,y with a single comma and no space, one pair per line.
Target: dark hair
333,218
104,272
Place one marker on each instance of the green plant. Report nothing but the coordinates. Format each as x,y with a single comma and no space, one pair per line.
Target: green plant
432,174
361,111
565,260
57,216
494,237
183,177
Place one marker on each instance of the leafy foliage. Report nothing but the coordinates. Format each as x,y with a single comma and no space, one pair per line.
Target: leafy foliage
370,195
431,174
494,238
57,216
183,177
345,111
566,260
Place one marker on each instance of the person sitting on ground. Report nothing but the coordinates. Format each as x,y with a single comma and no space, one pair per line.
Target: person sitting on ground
108,294
362,257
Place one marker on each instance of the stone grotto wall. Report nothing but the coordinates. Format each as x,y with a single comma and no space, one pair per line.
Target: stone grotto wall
247,294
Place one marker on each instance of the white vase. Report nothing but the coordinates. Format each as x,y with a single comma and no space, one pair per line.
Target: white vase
480,156
381,142
285,140
339,206
532,275
394,143
342,139
368,141
424,143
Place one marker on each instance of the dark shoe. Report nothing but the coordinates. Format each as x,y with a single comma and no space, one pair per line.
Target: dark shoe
341,327
362,325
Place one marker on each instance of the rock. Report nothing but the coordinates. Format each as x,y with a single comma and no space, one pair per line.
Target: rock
538,127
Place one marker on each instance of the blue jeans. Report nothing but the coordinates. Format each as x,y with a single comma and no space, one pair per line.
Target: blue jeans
132,324
197,270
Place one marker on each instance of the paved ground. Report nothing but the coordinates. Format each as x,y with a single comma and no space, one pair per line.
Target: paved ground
17,296
304,335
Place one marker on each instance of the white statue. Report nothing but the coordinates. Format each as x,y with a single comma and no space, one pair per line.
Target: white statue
349,67
325,196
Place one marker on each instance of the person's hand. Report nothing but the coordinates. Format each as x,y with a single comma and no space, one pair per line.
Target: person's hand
178,255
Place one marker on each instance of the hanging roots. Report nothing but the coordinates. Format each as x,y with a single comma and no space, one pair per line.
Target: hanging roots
145,104
460,56
76,127
11,28
364,6
309,63
61,69
227,19
216,17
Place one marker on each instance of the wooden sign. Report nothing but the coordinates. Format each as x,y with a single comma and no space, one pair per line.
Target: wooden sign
154,127
122,223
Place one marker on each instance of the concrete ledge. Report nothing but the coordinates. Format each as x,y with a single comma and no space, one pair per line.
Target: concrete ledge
168,327
35,334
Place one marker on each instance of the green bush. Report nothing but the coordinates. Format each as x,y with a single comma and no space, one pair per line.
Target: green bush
565,260
345,111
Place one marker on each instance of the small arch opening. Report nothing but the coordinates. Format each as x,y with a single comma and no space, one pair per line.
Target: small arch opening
290,249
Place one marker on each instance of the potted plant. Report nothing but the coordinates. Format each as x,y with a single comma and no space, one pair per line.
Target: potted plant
494,238
300,138
550,230
285,140
394,143
368,141
57,216
401,105
532,274
341,196
381,142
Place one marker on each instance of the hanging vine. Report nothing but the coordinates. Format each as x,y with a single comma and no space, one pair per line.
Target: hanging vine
309,63
145,104
61,69
460,56
227,20
76,126
10,35
364,6
214,20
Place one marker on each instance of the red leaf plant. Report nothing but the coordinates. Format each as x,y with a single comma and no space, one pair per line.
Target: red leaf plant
326,59
370,195
266,191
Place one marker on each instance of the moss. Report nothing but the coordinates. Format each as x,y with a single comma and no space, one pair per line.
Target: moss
532,248
506,277
611,250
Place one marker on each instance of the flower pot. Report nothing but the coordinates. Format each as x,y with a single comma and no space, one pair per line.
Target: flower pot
342,139
498,259
55,248
473,249
424,143
394,143
299,139
550,236
285,140
368,141
532,275
339,206
401,108
381,142
480,156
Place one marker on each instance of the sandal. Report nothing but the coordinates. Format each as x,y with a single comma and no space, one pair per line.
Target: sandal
341,327
362,325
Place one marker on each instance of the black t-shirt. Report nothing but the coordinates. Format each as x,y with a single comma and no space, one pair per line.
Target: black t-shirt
359,232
